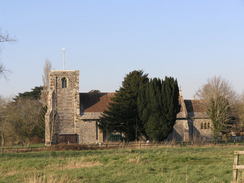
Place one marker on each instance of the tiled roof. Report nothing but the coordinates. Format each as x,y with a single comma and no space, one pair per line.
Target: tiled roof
195,106
95,102
98,102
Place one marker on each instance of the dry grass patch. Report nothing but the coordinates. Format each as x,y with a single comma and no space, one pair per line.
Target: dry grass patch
9,173
135,160
73,164
47,179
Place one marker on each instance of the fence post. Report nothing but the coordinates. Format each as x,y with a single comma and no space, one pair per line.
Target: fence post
235,170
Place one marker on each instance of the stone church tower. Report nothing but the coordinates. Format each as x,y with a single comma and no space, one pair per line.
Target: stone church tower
63,107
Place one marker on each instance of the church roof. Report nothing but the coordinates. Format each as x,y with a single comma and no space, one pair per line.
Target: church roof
98,102
95,101
195,106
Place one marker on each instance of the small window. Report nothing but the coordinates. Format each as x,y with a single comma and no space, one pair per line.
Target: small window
64,83
205,125
208,125
202,125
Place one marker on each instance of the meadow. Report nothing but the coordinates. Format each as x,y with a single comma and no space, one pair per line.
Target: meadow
189,164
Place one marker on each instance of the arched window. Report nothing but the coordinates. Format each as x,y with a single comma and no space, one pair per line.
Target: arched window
208,125
205,125
64,82
201,125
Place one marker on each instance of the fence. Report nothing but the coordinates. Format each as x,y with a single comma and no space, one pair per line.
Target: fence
101,146
106,145
237,167
20,149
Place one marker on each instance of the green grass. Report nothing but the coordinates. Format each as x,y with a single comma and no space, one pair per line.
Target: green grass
167,165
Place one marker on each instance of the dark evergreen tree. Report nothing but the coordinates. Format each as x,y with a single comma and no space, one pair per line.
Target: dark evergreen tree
171,103
122,114
158,106
34,94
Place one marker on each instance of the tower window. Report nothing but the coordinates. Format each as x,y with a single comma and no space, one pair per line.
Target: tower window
64,82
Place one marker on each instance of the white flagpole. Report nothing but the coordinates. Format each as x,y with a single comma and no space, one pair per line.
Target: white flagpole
63,51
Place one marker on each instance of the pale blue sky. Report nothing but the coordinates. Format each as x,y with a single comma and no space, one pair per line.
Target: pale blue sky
188,39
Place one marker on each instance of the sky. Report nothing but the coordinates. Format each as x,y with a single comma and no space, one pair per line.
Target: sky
186,39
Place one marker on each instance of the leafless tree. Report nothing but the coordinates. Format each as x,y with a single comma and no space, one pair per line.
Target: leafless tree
2,120
4,38
215,87
5,127
239,113
220,99
21,118
45,77
2,69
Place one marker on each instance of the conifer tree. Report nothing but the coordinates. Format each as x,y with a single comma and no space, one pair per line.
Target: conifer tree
158,106
122,114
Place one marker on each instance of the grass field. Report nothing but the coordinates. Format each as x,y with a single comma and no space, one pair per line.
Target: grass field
210,164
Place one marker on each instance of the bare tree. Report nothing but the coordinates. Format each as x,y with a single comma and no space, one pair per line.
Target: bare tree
2,69
4,38
22,118
220,99
215,87
3,103
45,77
6,131
239,113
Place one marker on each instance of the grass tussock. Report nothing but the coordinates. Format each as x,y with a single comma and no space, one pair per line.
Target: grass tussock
47,179
135,160
73,164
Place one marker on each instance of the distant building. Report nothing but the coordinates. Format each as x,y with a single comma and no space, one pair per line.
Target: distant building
72,117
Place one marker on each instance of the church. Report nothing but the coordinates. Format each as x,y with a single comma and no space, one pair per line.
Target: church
72,117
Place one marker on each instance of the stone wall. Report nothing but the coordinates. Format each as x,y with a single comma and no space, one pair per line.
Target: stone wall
181,131
87,132
87,128
200,133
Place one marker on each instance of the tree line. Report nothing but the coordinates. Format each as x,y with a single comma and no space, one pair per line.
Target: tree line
143,108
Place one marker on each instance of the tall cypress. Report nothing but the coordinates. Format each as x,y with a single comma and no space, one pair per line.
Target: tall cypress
158,106
171,104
